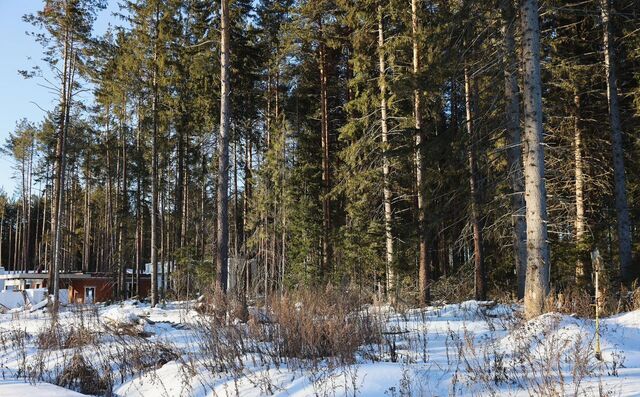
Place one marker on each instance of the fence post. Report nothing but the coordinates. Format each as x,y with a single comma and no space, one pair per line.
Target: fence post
597,263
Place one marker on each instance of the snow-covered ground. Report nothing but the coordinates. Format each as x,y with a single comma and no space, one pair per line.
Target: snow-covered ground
471,349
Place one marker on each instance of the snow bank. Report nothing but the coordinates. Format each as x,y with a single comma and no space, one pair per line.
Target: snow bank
120,316
22,389
11,299
37,295
467,349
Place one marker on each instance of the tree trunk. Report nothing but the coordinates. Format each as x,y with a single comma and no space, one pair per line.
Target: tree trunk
154,168
86,243
248,193
423,266
514,150
478,256
68,79
537,281
326,182
627,274
392,291
124,204
223,154
56,203
139,235
582,274
180,183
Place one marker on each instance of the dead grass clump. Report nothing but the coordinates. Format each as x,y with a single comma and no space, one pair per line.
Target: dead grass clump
81,376
57,337
312,326
456,287
135,355
635,299
573,301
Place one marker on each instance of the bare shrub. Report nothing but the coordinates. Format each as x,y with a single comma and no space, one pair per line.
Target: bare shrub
313,327
575,301
81,376
456,287
56,337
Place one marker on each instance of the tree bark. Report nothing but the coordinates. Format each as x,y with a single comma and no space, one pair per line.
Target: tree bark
326,182
86,243
67,80
423,266
154,167
223,154
582,277
537,281
627,274
514,150
392,291
480,289
124,204
58,179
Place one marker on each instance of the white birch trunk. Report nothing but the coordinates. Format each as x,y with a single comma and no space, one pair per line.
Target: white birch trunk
388,214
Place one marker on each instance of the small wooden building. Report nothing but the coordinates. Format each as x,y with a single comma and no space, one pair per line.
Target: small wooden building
82,287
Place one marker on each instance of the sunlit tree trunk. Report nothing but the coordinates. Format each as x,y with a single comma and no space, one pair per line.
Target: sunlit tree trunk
514,141
537,282
223,154
423,266
627,274
326,181
154,167
581,265
386,168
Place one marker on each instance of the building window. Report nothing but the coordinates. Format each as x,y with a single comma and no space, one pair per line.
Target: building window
89,294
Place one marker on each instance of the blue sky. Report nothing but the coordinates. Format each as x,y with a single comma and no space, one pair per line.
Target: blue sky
20,98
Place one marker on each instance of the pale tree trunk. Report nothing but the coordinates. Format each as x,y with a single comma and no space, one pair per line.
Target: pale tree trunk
124,204
17,239
514,151
203,200
236,222
538,264
23,171
581,265
423,266
627,274
68,79
184,217
139,236
86,244
223,154
58,179
9,260
110,200
180,183
154,168
27,174
245,210
478,256
42,251
392,291
163,240
326,182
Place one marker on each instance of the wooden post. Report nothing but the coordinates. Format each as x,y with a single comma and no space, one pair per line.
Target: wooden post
595,258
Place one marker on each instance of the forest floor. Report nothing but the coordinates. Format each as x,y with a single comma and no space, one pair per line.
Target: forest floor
466,349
